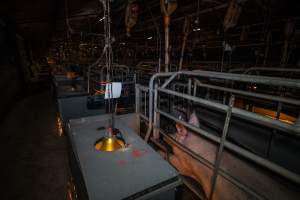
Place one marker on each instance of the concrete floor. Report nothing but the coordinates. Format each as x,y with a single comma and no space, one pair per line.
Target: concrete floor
33,156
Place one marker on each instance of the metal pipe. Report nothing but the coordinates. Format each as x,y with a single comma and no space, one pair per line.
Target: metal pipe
89,77
182,52
185,33
253,117
144,117
169,80
156,115
251,94
167,8
137,98
221,147
167,48
143,88
145,106
275,81
151,89
189,92
277,69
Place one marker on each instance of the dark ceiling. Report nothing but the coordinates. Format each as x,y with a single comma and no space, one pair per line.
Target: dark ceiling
38,21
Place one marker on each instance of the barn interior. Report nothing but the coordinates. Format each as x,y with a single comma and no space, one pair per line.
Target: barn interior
150,99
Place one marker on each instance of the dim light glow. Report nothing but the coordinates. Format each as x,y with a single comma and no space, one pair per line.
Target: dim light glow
272,114
59,125
196,29
100,20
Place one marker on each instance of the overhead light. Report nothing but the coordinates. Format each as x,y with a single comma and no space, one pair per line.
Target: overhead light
122,43
196,29
149,38
100,20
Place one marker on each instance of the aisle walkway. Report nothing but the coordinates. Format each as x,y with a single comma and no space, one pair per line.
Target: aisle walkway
33,156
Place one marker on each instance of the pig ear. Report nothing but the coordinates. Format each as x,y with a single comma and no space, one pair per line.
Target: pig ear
194,120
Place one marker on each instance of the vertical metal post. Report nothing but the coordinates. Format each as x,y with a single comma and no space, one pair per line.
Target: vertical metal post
137,106
145,103
207,96
225,93
167,49
137,98
173,98
156,123
134,78
221,148
297,124
189,93
195,88
279,108
185,32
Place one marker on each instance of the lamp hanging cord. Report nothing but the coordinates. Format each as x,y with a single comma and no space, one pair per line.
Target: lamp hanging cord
108,55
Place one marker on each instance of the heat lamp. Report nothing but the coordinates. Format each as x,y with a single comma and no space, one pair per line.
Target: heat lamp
114,139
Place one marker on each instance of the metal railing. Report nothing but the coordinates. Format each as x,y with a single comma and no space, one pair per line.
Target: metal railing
257,70
155,89
98,74
141,103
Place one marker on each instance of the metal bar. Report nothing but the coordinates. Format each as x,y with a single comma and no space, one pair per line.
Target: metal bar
195,90
145,102
151,85
221,148
297,124
143,116
143,88
253,117
251,94
238,150
271,69
189,91
161,146
266,80
179,84
89,77
156,115
137,106
137,98
277,69
167,82
279,108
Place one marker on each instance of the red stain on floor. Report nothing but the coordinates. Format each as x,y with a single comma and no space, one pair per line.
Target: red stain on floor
138,153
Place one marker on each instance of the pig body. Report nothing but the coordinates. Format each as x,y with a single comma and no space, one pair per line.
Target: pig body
252,176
